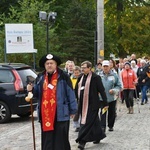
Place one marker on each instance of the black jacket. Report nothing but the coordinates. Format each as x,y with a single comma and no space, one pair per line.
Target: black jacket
142,74
96,88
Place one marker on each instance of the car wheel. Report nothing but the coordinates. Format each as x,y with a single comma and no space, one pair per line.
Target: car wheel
5,114
24,115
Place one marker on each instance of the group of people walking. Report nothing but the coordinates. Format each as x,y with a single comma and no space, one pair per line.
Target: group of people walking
88,97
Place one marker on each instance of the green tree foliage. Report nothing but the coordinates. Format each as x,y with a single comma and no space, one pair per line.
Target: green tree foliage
136,30
127,27
25,12
73,34
5,5
77,36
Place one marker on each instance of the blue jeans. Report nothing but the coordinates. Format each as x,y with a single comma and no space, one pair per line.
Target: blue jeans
144,89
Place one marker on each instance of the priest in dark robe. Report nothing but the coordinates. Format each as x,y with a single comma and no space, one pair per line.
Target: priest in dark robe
88,88
56,103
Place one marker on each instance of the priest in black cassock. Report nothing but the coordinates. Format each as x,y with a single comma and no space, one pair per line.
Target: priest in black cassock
87,90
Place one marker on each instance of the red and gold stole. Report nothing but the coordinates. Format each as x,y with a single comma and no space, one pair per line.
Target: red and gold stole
48,108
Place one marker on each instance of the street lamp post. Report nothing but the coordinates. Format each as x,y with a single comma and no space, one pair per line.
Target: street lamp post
47,18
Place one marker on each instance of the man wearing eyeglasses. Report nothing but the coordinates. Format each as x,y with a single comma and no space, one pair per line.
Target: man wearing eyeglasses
88,88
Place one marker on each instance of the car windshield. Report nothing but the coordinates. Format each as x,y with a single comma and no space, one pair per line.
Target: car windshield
27,75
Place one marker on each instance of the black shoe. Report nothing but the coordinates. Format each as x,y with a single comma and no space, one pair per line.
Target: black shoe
142,103
77,129
81,146
146,101
111,129
96,142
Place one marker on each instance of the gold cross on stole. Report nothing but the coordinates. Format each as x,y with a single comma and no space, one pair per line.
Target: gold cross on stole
52,101
45,102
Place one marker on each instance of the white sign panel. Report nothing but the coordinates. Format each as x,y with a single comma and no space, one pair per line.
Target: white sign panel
19,38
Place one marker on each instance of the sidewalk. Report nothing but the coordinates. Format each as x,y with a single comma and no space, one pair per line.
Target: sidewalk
131,131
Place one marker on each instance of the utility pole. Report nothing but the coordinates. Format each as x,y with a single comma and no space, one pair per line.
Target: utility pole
100,29
95,38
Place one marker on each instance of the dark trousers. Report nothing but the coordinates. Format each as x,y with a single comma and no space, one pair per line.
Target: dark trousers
58,139
111,115
128,96
137,91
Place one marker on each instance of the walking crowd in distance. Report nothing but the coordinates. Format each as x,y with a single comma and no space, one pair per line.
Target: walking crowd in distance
123,80
87,95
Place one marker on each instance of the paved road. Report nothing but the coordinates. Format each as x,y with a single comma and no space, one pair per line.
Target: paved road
131,132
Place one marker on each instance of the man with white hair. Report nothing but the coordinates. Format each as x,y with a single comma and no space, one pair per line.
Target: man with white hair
112,87
133,57
134,66
71,67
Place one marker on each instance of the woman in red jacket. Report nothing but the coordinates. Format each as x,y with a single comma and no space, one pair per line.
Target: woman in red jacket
129,80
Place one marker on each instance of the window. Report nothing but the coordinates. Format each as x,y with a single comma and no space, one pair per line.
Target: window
6,76
26,74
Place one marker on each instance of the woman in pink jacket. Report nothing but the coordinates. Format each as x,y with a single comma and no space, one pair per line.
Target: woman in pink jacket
129,80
